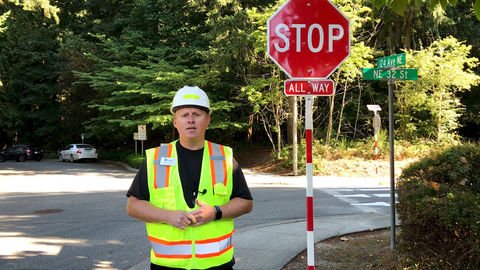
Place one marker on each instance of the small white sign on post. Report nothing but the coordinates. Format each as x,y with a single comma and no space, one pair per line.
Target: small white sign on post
142,134
377,123
142,129
374,107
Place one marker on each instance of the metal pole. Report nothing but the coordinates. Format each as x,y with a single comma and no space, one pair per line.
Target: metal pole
142,147
392,163
135,147
309,171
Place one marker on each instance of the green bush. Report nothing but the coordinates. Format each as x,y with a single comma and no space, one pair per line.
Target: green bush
126,156
439,206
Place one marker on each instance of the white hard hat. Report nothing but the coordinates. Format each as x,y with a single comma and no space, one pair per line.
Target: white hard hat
191,96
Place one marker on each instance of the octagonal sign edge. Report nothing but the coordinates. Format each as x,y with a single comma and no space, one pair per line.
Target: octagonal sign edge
308,39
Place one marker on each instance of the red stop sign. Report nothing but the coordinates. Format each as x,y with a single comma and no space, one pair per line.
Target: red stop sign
308,38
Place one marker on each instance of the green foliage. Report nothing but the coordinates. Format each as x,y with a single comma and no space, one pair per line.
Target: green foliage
126,156
439,205
48,10
362,149
111,65
430,107
476,9
135,78
29,71
399,6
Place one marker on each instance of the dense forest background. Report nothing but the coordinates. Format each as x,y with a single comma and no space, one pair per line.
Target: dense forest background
100,68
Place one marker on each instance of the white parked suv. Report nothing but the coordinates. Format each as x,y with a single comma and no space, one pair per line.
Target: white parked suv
79,151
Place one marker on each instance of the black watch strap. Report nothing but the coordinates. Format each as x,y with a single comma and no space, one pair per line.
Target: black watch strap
218,214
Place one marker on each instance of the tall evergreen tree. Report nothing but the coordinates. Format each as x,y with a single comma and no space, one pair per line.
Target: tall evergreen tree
29,71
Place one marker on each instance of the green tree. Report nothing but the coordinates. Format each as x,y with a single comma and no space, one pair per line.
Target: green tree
44,6
430,107
263,86
29,71
158,47
351,70
399,6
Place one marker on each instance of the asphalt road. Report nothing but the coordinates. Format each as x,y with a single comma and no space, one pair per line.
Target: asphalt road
56,215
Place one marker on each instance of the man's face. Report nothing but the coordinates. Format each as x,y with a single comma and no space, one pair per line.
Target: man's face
191,122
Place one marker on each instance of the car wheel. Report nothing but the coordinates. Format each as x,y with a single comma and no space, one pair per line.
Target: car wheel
21,158
38,159
60,158
72,159
2,159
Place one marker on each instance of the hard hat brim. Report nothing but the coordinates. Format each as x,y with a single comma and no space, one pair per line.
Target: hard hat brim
207,110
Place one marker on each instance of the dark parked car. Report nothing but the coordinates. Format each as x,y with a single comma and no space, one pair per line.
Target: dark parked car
21,152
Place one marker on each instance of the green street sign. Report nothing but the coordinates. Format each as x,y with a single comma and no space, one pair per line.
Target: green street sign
391,61
392,74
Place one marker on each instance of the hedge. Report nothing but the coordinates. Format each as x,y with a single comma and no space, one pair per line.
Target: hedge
439,208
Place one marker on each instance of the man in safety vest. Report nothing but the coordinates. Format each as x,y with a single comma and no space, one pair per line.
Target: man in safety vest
189,191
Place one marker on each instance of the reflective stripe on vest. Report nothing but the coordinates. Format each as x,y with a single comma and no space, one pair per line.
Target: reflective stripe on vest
218,163
213,247
167,249
161,171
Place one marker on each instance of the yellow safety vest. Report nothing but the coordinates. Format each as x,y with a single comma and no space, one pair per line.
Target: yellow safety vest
199,247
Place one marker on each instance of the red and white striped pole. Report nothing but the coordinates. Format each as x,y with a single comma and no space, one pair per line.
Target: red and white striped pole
309,171
376,154
377,123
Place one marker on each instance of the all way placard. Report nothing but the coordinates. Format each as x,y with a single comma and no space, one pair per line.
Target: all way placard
309,87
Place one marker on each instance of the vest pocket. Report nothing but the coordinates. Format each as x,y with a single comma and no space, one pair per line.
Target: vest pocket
221,194
163,198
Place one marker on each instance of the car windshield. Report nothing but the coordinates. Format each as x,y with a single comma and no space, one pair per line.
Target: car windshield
84,146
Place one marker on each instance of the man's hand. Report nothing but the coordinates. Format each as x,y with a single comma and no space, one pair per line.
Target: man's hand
181,219
204,214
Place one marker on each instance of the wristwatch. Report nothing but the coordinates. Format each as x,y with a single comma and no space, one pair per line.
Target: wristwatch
218,214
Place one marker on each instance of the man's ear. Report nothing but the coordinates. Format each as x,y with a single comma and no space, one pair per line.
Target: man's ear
208,119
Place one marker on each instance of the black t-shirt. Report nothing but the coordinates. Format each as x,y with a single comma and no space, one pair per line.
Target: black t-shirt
189,169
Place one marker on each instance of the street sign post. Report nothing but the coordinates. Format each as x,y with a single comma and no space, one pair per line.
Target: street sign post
390,74
309,87
387,70
135,138
308,39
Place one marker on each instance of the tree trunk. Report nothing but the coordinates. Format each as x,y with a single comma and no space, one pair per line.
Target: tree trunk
358,110
290,120
267,130
408,28
341,111
250,129
439,120
399,24
330,114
